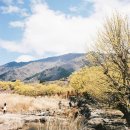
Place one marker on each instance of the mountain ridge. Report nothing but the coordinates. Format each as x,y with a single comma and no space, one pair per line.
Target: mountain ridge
51,68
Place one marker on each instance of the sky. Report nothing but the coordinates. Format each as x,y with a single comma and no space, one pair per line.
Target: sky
34,29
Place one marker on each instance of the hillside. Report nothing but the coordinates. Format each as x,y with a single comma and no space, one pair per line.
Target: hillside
47,69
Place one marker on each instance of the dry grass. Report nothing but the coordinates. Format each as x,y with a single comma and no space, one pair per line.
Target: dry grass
20,103
58,124
63,124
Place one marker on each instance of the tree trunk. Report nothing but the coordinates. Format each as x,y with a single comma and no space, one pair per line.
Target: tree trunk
123,108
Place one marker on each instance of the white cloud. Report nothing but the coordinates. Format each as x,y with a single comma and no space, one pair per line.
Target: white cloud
49,31
25,58
13,46
85,7
73,9
9,9
20,1
9,2
17,24
13,9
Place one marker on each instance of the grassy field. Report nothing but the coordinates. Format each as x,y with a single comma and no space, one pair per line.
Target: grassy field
21,103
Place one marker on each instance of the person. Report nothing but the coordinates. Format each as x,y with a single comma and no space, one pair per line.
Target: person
76,114
70,104
59,104
5,108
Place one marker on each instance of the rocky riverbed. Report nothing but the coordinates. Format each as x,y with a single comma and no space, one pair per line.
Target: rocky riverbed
100,119
43,113
106,119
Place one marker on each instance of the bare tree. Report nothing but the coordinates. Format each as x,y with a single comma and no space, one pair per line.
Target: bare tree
113,55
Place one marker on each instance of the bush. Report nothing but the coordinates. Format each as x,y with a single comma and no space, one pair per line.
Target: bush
34,89
92,81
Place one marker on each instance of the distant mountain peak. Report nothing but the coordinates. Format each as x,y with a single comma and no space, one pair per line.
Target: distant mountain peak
51,68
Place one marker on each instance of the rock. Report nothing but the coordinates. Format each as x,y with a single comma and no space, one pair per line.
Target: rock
96,113
17,121
43,120
95,122
107,124
43,114
85,111
106,119
111,127
100,127
12,125
92,118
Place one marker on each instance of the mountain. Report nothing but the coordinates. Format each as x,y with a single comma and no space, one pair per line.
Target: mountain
47,69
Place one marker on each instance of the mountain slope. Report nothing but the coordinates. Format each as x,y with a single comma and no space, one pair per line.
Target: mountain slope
47,69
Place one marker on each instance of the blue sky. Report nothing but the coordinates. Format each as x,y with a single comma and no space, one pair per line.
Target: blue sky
33,29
